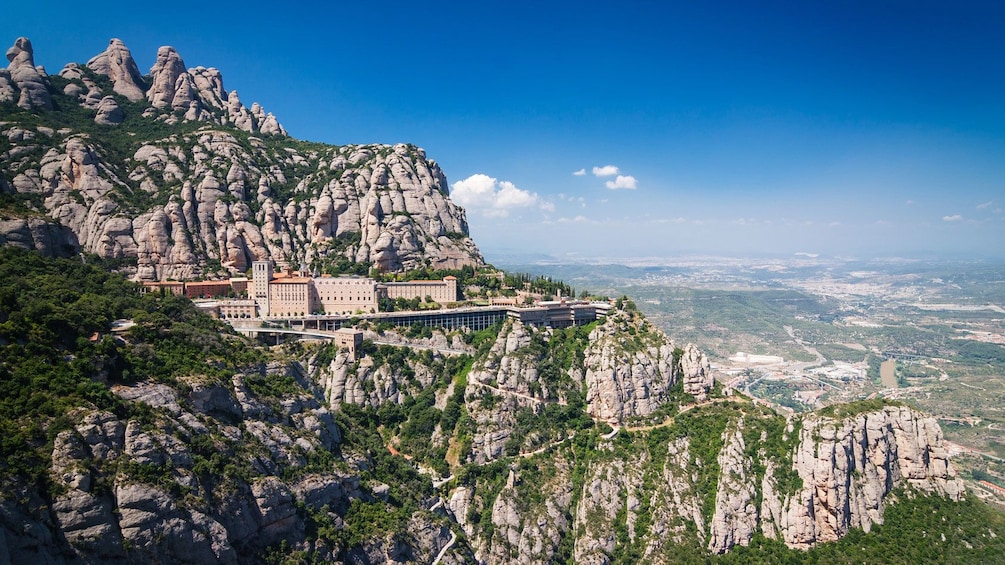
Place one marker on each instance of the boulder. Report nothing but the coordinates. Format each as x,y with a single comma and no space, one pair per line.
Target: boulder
109,113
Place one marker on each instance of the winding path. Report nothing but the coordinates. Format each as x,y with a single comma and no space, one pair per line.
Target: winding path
515,393
439,556
670,420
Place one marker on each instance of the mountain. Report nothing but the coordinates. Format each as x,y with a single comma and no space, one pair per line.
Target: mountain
173,172
135,429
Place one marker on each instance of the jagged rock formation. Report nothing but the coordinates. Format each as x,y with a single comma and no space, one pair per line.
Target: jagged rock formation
735,518
631,366
193,199
107,513
507,382
609,488
197,92
532,484
109,113
650,503
222,469
164,77
529,534
25,77
849,466
517,375
49,239
367,384
117,63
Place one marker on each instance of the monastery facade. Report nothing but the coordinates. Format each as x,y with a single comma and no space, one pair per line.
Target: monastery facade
288,294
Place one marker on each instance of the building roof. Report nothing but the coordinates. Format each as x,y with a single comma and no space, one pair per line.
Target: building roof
208,283
290,280
420,281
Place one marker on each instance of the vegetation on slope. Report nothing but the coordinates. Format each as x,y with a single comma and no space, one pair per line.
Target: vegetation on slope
58,351
917,529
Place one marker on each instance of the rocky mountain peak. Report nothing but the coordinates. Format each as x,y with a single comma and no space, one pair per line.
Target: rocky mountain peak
116,63
25,77
164,74
631,366
21,53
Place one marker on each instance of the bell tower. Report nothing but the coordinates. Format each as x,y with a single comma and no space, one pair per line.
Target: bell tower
261,272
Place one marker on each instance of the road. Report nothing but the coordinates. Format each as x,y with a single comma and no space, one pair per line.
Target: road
802,366
446,548
419,347
517,394
323,334
670,420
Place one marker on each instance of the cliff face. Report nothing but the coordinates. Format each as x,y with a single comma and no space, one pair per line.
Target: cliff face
177,173
621,368
130,490
631,366
49,239
849,466
657,504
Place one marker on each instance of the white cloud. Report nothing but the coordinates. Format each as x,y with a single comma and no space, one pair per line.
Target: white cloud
493,198
509,196
985,205
909,202
626,182
953,218
605,171
579,173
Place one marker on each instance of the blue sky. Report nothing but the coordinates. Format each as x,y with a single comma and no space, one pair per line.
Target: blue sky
736,128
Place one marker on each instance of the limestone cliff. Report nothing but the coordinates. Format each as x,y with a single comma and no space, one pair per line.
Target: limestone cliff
664,502
849,465
631,366
220,469
48,238
131,491
201,185
23,82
